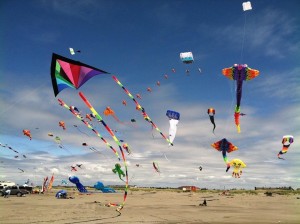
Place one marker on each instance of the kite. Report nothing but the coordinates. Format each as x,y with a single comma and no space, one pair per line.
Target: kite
118,170
79,165
64,182
126,147
22,171
124,102
58,141
187,57
62,124
140,108
80,187
72,52
10,148
174,118
158,83
166,76
211,112
287,140
138,96
247,6
238,165
50,134
27,133
73,168
239,73
84,144
69,73
156,167
173,70
200,168
224,146
89,117
149,90
108,111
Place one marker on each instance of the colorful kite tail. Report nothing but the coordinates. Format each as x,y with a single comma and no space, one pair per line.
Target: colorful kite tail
237,121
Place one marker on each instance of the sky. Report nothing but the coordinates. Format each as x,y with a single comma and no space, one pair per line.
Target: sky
139,42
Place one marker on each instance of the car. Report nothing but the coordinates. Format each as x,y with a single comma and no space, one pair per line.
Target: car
14,190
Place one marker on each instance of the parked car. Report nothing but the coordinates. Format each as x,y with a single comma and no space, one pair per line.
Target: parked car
14,190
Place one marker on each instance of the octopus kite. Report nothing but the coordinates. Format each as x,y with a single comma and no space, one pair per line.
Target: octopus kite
238,165
118,170
239,73
224,146
287,140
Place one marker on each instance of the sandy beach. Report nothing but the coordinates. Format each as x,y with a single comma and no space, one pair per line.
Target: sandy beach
152,206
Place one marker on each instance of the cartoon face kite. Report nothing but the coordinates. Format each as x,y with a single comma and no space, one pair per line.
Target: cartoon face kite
238,165
239,73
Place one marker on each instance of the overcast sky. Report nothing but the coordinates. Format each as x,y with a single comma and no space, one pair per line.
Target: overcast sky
140,42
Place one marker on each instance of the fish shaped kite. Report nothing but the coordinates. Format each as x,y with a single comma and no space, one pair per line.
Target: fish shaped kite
240,73
287,140
238,165
69,73
211,112
174,118
224,146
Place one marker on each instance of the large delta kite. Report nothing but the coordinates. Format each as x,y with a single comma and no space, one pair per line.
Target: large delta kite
69,73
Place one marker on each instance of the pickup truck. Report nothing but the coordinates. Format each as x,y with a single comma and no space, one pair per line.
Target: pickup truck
14,190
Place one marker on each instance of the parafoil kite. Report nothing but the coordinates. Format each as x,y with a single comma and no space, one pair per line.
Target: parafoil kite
62,124
247,6
239,73
69,73
118,170
287,140
224,146
211,112
238,165
27,133
174,118
187,57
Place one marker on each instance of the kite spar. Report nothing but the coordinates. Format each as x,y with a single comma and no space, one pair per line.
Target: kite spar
139,107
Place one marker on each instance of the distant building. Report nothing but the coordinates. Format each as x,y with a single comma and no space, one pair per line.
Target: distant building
189,188
273,188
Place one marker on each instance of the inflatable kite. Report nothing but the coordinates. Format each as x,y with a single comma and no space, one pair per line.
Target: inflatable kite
80,187
238,165
27,133
224,146
211,112
239,73
287,140
118,170
100,186
187,57
174,118
69,73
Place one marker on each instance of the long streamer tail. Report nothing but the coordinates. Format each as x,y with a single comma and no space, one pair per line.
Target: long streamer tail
99,118
139,107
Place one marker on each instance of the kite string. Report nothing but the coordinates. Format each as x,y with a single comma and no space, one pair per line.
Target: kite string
243,40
